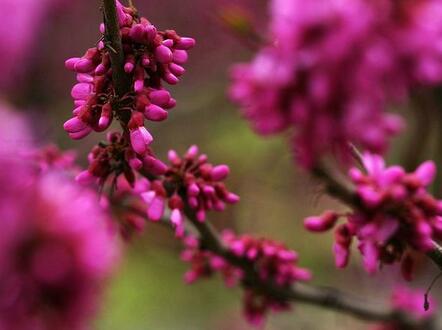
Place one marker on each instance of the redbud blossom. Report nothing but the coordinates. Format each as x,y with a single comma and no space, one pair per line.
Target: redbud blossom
331,68
56,249
394,213
272,261
151,57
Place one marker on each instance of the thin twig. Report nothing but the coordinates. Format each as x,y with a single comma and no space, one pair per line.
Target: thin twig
356,155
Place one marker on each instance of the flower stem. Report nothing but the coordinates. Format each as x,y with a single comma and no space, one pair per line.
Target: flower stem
113,42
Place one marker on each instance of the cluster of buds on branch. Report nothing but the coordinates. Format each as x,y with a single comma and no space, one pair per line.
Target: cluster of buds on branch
151,58
272,262
393,213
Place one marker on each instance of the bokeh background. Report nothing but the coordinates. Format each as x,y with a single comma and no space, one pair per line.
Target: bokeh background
148,291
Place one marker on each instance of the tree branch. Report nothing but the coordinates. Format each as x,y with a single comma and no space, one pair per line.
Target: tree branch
121,80
318,296
113,39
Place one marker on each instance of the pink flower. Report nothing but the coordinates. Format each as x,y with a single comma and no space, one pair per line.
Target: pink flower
151,58
21,22
411,302
201,180
331,68
272,261
15,135
56,249
114,158
394,212
190,180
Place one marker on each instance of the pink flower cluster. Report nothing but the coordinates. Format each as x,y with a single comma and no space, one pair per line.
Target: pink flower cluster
127,206
56,250
394,212
272,261
146,185
408,301
151,56
204,264
50,158
114,157
190,180
16,39
332,68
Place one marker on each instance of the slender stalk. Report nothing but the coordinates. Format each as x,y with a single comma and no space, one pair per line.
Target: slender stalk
113,40
120,78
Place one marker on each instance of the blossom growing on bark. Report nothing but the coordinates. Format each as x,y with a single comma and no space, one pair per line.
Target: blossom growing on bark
126,205
151,58
56,250
272,261
189,180
394,212
204,264
115,157
331,68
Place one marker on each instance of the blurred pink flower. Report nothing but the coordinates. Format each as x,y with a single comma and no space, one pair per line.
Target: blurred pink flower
56,244
15,135
332,68
411,302
21,21
56,249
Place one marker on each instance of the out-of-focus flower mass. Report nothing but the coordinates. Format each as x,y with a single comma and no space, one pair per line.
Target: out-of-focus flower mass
20,22
409,301
57,247
331,68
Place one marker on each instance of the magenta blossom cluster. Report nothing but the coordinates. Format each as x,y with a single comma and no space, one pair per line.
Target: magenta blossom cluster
204,264
189,180
54,255
409,301
151,57
50,157
331,68
146,185
16,39
127,206
272,261
394,212
114,157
